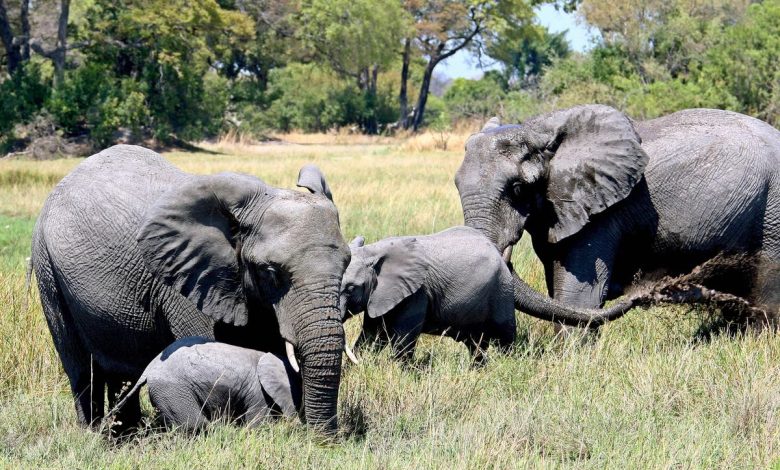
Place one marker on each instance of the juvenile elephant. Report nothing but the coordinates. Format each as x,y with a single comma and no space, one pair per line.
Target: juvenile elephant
605,198
131,254
453,282
195,381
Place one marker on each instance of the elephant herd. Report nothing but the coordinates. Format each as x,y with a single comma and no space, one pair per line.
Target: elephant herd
145,271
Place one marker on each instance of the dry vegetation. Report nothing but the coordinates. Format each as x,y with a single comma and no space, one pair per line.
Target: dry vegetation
659,388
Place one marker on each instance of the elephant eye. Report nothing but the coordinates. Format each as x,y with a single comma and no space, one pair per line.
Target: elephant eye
517,188
268,273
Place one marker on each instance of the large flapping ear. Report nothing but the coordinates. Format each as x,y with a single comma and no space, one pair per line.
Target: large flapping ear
492,123
311,178
400,272
357,242
190,241
280,382
597,159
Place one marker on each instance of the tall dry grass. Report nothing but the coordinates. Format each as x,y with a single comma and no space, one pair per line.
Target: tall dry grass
654,390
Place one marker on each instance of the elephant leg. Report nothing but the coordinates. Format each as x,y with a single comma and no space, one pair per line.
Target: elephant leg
129,416
582,273
372,334
501,327
406,324
179,408
767,282
87,382
478,344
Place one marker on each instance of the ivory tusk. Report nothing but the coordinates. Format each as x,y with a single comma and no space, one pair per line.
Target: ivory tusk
291,356
507,255
350,354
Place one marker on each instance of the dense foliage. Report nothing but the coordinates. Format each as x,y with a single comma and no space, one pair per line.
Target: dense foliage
130,70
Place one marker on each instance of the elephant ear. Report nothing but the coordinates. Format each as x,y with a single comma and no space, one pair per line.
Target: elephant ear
190,241
311,178
400,272
493,123
280,383
598,158
357,242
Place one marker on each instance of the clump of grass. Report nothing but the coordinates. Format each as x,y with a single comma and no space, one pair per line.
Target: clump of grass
648,391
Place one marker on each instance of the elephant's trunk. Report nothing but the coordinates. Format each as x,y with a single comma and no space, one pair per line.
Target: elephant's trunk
537,305
481,212
320,346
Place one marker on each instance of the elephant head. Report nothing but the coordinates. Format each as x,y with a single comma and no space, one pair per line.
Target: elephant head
236,247
381,275
549,175
555,172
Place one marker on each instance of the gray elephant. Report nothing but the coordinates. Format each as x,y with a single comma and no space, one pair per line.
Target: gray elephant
606,199
453,283
131,253
195,381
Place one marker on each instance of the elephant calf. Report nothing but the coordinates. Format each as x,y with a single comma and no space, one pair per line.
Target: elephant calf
195,380
453,283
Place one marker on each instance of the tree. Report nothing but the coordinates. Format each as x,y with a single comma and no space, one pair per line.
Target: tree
444,27
745,62
16,46
356,38
168,51
58,53
662,38
274,40
525,53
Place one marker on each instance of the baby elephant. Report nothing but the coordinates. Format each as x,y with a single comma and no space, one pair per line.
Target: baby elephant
453,283
195,380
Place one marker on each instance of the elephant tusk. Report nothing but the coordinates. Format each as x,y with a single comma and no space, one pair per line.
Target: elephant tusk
507,255
350,354
291,356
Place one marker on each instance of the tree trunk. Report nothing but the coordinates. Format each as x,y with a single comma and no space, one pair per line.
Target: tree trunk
419,110
58,55
24,19
403,98
13,57
372,126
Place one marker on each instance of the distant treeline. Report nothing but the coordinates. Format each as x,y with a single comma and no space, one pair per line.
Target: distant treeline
109,70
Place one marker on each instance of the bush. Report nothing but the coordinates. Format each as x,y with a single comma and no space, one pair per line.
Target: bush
21,97
79,102
474,99
313,99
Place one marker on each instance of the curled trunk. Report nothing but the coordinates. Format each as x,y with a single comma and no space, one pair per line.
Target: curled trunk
538,305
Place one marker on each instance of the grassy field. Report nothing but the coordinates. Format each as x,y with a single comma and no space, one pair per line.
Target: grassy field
654,390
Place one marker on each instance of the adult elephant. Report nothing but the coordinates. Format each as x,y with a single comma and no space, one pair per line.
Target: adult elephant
605,198
131,253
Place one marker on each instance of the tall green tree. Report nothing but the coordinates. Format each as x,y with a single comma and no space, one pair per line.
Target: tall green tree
525,52
169,47
357,38
445,27
746,62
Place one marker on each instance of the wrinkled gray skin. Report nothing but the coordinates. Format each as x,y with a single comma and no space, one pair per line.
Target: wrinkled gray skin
605,198
131,253
195,381
453,283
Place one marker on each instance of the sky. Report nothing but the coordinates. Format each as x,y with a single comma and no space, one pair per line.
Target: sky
462,64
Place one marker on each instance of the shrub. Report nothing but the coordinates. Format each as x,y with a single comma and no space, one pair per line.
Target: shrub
21,97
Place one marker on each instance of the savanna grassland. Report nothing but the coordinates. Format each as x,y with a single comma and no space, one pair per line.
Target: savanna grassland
663,387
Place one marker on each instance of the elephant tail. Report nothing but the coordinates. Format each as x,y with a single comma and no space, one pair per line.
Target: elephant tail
132,392
28,282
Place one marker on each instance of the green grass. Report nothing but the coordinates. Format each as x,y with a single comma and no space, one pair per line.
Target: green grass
648,392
